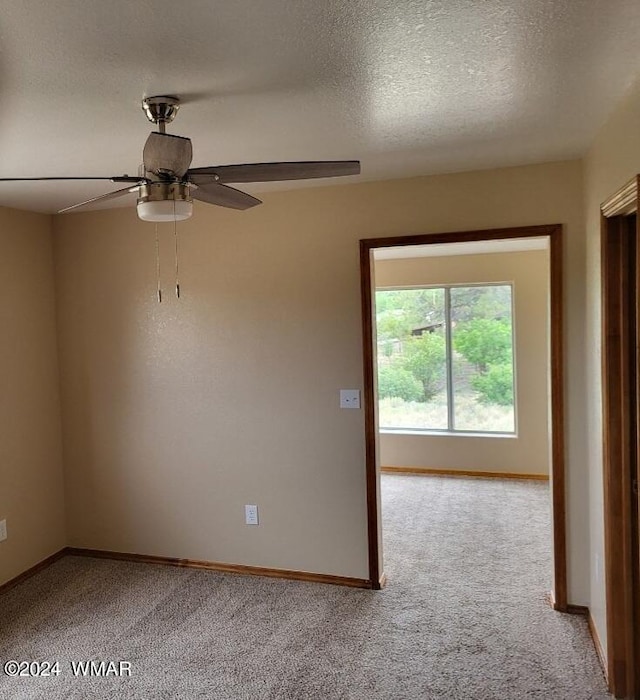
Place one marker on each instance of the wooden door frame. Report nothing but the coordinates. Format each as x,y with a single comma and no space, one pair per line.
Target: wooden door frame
554,233
620,251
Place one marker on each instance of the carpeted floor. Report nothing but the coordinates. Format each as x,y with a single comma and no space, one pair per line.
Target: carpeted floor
463,616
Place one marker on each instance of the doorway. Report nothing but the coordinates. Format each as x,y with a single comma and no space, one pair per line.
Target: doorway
621,394
367,247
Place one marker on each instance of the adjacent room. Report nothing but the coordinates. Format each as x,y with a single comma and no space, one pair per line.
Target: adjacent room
201,433
463,369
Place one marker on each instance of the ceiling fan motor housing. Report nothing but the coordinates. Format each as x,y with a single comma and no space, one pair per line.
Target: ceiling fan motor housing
164,201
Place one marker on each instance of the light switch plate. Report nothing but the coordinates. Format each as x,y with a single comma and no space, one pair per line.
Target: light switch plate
349,398
251,515
3,530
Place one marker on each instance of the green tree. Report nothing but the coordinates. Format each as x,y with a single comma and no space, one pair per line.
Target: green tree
484,342
396,382
424,357
399,311
496,386
491,302
391,326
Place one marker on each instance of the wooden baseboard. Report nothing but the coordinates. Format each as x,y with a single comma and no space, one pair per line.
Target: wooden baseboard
32,570
577,610
224,568
584,610
383,581
426,471
598,645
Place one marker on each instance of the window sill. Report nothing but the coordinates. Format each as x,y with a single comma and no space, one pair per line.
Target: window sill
445,433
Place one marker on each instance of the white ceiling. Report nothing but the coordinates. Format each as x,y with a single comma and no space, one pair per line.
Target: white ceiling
437,250
408,86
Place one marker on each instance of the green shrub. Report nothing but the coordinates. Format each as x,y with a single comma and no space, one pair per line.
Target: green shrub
496,385
484,342
396,382
425,359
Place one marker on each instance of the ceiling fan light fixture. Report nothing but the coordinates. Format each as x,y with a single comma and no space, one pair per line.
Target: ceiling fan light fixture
161,202
161,212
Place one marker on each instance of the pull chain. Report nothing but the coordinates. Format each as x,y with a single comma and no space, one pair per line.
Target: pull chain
175,236
158,266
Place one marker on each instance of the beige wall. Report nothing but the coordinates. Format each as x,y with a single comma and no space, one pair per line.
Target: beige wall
176,415
31,480
528,452
613,159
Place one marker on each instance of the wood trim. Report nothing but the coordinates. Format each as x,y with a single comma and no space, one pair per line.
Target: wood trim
598,645
219,566
577,609
383,581
634,524
428,471
492,234
32,570
595,637
558,497
368,395
568,608
622,202
554,232
620,391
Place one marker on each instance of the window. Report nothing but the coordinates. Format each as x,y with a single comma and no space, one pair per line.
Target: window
445,358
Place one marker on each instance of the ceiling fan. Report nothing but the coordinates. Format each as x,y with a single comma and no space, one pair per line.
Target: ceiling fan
167,186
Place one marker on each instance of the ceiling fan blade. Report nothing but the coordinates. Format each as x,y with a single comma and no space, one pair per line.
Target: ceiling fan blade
223,196
167,154
271,172
115,178
101,198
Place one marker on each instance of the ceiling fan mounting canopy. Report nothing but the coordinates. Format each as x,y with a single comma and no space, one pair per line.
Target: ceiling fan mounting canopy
161,109
167,185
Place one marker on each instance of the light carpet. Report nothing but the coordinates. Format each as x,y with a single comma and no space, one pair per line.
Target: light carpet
463,616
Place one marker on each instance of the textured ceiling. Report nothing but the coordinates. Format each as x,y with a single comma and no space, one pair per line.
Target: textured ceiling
408,86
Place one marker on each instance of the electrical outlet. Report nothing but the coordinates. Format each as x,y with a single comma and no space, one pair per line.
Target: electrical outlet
251,515
3,530
349,398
